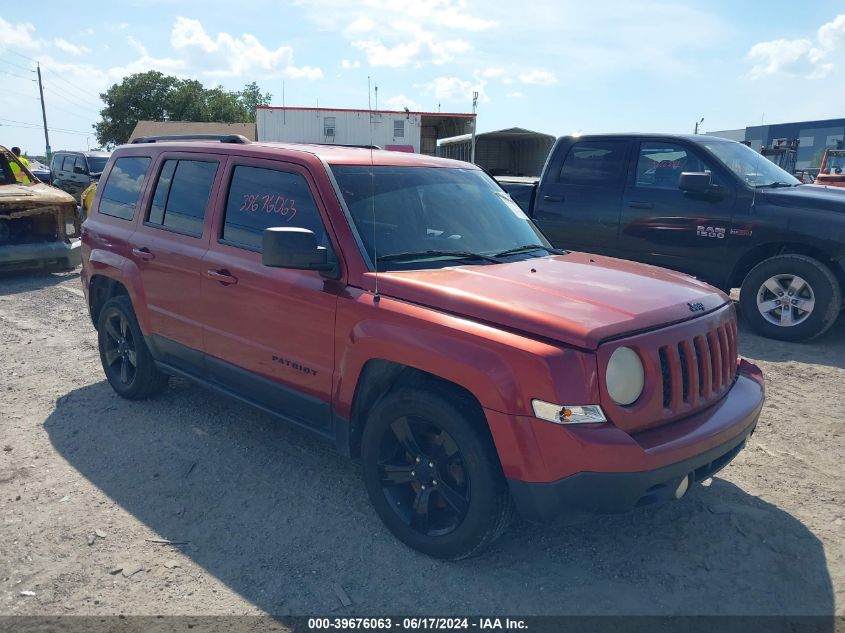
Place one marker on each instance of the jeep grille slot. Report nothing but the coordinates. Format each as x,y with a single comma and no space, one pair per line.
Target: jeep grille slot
689,366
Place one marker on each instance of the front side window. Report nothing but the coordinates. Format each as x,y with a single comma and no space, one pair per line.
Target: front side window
181,195
123,187
260,198
659,165
594,163
750,166
79,166
414,217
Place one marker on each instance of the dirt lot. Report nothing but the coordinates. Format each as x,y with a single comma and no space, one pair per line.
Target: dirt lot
273,522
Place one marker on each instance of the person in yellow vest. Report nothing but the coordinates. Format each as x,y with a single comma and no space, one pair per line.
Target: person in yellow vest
20,175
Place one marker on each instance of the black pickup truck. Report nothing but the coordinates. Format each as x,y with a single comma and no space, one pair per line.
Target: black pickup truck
702,205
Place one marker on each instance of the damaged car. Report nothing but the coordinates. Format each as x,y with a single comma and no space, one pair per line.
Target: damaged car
39,224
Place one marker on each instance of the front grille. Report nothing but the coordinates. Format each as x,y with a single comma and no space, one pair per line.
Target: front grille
688,366
699,369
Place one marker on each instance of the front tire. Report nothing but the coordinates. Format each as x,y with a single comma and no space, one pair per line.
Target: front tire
432,474
127,362
790,298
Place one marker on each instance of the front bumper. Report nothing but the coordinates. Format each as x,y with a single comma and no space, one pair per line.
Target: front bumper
62,255
696,447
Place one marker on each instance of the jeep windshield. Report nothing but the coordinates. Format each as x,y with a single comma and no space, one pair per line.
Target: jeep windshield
752,167
431,217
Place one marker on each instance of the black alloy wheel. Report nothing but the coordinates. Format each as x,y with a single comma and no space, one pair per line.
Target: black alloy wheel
432,472
423,476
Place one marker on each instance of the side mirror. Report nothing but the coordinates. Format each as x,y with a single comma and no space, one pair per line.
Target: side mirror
695,182
78,170
292,247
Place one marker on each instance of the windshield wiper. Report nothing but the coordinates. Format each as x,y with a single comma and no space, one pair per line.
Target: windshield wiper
776,183
431,254
529,247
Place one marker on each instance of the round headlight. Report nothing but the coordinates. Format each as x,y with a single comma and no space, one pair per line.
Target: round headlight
625,376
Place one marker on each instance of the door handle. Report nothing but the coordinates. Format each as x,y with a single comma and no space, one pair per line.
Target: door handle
640,205
222,276
549,198
143,253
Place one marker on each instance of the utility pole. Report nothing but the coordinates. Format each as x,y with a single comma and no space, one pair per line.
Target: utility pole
48,151
697,123
474,117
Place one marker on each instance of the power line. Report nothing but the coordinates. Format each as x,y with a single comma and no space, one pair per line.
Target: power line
6,61
8,72
37,126
9,50
69,101
83,96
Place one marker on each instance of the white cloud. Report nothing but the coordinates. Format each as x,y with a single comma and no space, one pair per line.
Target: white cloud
812,59
73,49
361,25
18,36
400,102
538,77
516,95
491,73
395,34
348,65
455,89
226,55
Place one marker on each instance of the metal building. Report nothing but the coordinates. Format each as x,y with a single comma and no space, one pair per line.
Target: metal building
511,152
404,131
813,138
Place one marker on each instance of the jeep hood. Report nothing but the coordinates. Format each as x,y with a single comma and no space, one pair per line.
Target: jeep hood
577,298
807,197
18,196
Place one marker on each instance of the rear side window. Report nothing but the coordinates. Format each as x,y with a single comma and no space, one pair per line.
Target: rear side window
68,164
181,195
594,163
260,198
123,187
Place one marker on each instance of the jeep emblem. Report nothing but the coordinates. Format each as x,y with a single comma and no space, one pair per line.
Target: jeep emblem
696,307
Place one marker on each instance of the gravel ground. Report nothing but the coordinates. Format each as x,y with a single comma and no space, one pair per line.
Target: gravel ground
269,520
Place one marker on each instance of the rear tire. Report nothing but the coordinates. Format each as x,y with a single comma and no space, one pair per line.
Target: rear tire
790,298
433,475
127,362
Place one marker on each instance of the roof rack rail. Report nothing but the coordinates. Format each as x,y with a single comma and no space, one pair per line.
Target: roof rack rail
222,138
348,145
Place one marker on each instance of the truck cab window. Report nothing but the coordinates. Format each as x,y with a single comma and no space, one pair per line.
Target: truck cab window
594,163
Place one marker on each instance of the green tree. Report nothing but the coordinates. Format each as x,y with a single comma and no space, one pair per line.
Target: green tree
152,96
142,96
251,98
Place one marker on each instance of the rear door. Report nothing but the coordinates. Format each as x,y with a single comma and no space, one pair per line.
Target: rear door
269,332
578,203
668,227
168,248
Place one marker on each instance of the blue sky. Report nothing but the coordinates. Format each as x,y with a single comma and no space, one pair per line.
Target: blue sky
555,66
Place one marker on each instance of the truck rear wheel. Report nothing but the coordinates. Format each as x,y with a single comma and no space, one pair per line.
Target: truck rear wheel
433,476
790,298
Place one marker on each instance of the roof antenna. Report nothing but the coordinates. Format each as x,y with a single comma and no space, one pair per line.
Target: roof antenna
376,296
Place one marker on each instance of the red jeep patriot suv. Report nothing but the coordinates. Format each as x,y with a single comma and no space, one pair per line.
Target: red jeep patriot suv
404,308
